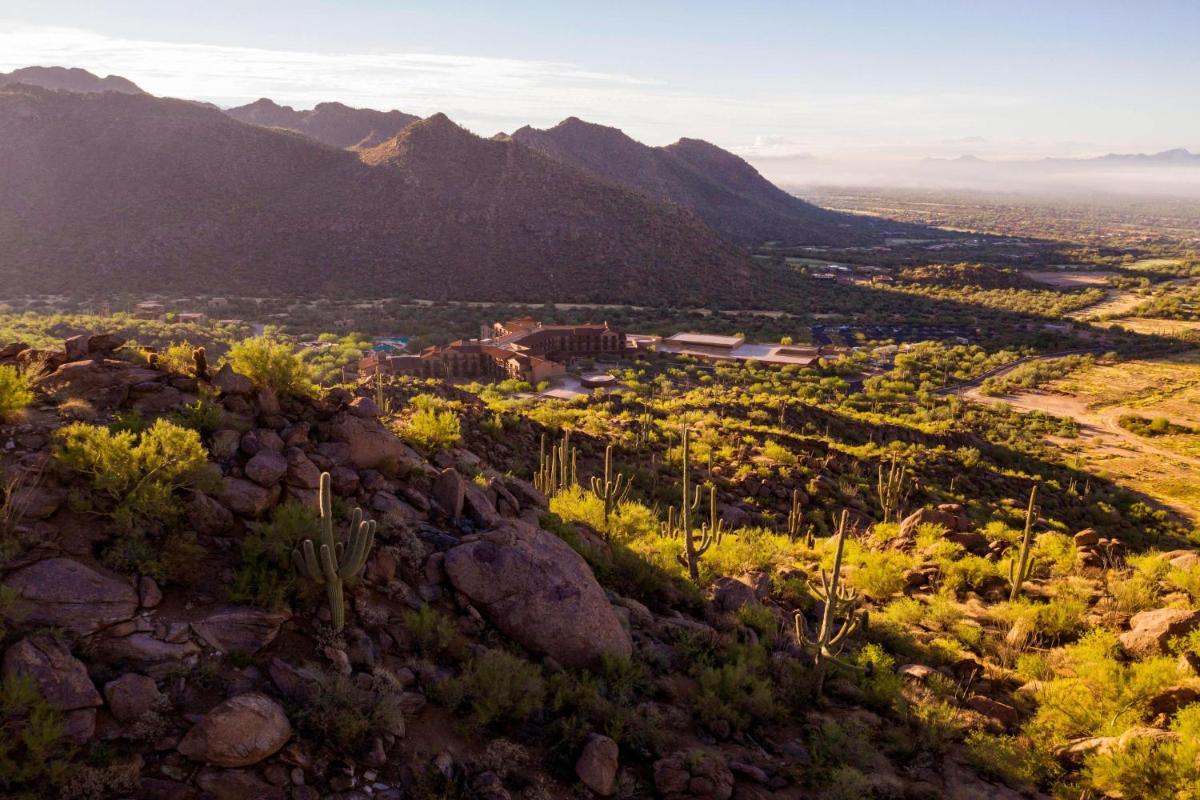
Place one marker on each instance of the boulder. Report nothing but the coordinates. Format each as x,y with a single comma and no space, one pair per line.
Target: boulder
1151,631
693,775
240,629
246,497
36,502
729,594
479,507
225,444
948,516
364,407
450,491
76,348
343,481
242,731
65,593
526,493
1002,713
99,383
598,763
207,516
61,679
370,445
301,471
130,696
266,468
104,343
1088,537
238,784
532,586
1169,701
227,381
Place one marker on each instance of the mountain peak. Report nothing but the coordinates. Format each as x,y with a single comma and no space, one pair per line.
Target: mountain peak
70,79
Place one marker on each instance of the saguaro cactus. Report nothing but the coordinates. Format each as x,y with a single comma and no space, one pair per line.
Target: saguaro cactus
892,489
795,523
1018,569
840,618
335,561
556,467
694,547
612,489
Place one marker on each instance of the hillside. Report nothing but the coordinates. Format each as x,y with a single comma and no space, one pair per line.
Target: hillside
69,80
334,124
721,188
137,193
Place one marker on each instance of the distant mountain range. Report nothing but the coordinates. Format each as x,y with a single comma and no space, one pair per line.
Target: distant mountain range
1177,157
124,189
129,192
332,123
720,187
69,80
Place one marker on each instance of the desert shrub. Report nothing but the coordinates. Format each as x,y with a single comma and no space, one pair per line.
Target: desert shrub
969,572
345,713
1057,619
265,576
130,421
135,475
737,694
1012,759
498,688
434,633
1098,694
169,559
176,358
878,679
1054,554
203,416
273,364
32,750
1153,770
760,619
779,453
15,393
433,425
1186,579
880,575
629,520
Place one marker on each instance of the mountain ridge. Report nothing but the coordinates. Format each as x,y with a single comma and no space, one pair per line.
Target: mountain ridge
333,123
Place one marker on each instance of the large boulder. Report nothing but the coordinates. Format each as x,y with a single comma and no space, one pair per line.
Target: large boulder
597,764
242,731
61,679
532,586
104,384
64,593
240,629
266,468
227,381
450,490
1151,631
131,696
948,516
370,445
247,497
207,516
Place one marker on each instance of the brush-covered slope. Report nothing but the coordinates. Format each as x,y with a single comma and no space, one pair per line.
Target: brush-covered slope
133,193
69,80
334,124
721,188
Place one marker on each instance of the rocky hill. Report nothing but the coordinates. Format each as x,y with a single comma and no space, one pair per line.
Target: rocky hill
721,188
334,124
69,80
160,640
146,194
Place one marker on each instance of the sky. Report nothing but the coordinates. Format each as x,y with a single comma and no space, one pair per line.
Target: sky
790,85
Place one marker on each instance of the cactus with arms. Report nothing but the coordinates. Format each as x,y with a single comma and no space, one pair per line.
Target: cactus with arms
840,618
795,523
613,490
892,489
1018,569
694,546
556,469
335,561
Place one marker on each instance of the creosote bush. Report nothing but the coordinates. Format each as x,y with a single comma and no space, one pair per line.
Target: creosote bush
497,688
346,713
433,425
273,364
15,394
266,577
32,751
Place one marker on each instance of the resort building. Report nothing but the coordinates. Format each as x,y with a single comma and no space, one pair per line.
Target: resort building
521,348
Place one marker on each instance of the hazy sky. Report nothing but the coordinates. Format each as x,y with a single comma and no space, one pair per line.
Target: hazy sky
771,80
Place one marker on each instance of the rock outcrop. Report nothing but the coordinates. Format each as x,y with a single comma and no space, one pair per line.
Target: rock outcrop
242,731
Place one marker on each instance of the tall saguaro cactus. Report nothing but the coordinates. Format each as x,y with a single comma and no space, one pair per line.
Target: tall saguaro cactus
840,618
892,489
612,489
795,523
1018,569
694,547
556,467
335,561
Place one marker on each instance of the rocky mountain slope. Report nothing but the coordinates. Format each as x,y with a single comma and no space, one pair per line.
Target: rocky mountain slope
69,80
721,188
143,193
334,124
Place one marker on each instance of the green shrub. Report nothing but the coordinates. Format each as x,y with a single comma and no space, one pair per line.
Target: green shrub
1011,759
878,679
761,620
32,751
345,713
136,475
271,363
434,633
171,559
880,575
1153,770
1186,579
434,425
969,572
265,576
15,393
498,688
203,416
737,694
